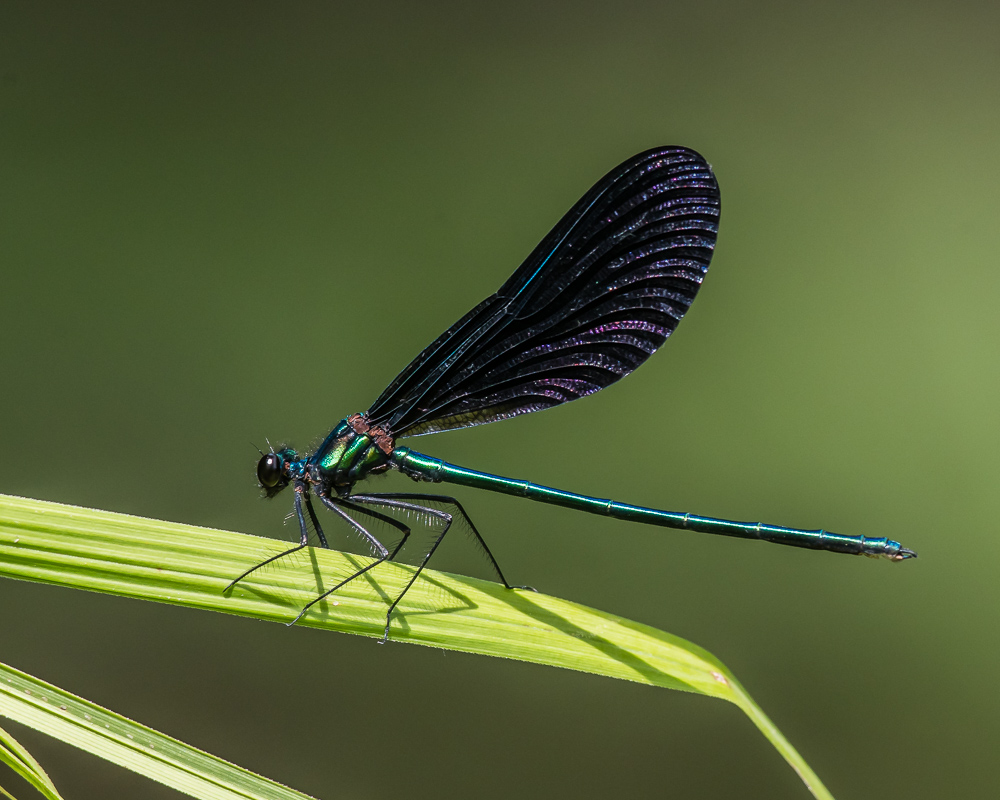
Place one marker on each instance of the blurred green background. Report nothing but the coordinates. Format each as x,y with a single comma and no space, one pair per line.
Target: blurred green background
230,221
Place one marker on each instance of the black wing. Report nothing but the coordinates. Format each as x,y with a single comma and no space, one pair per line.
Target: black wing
601,292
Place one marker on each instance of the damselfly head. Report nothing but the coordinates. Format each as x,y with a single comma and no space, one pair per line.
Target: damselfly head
272,470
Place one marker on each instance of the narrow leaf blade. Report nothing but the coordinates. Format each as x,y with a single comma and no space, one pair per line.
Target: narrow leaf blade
191,566
110,736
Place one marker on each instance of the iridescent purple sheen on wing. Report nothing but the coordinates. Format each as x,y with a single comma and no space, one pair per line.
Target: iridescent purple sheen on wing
600,293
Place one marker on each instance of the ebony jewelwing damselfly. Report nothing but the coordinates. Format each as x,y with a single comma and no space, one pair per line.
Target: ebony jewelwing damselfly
603,290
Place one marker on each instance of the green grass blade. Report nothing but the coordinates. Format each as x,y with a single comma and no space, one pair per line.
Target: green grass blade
191,566
20,760
103,733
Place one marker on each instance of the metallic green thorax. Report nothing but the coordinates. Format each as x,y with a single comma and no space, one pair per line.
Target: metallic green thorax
348,454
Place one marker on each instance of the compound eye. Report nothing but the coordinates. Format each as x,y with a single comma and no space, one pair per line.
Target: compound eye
269,470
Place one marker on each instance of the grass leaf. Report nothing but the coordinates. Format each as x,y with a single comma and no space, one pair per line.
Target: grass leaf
78,722
20,760
191,566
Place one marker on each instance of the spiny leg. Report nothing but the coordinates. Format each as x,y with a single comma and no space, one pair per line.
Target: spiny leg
393,501
374,543
301,490
381,500
315,521
441,498
395,523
